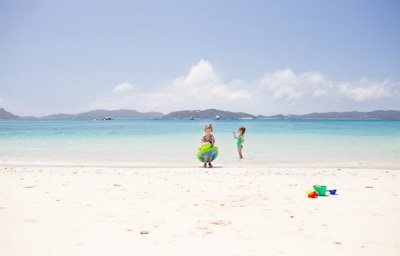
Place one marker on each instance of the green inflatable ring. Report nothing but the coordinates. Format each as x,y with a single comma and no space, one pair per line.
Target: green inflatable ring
207,149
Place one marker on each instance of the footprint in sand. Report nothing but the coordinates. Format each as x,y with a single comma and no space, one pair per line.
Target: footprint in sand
221,223
29,220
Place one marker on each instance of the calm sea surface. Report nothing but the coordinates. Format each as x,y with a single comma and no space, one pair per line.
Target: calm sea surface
175,142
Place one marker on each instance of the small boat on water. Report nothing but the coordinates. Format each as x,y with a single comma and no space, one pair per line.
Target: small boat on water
107,118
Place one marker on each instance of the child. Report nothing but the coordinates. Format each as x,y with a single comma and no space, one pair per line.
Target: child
240,140
208,137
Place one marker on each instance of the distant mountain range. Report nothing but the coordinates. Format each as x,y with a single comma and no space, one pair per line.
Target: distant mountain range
377,114
114,114
7,115
95,114
205,114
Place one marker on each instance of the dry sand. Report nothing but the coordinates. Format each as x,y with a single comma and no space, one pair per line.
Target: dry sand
194,211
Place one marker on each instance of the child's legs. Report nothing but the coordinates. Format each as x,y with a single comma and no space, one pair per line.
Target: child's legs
240,151
206,158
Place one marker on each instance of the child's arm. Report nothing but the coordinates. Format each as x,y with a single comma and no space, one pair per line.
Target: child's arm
242,139
234,135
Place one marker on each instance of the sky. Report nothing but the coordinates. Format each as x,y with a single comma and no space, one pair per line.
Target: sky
260,57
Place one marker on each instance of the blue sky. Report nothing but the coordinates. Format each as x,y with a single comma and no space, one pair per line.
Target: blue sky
261,57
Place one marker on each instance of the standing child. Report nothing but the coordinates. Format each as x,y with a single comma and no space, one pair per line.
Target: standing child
208,137
240,140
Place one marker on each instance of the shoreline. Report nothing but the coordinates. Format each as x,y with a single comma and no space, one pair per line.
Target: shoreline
237,163
243,210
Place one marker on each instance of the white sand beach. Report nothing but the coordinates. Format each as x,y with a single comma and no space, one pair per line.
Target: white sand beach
195,211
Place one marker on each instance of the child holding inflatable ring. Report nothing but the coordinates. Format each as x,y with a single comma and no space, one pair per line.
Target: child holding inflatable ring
208,138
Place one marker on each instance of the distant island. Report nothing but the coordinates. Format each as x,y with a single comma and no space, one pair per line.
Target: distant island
206,114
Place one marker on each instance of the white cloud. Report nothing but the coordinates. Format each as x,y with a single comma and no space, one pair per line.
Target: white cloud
365,90
288,93
123,88
202,84
239,95
320,92
281,91
286,85
313,77
278,79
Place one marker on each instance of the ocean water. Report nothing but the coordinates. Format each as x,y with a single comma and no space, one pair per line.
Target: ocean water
175,142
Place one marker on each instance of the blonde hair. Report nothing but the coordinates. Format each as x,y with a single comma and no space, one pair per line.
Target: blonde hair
208,126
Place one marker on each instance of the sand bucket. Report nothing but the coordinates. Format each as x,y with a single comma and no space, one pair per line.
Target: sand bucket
321,189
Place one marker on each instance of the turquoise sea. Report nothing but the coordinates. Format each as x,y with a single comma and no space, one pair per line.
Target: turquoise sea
175,142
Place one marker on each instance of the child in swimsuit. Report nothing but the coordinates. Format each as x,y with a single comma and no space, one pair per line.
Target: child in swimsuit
240,140
208,137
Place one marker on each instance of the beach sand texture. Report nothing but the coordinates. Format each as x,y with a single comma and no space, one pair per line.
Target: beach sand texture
196,211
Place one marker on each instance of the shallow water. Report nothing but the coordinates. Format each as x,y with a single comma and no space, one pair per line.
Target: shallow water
175,142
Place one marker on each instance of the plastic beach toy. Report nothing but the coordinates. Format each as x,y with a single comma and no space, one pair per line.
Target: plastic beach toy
207,149
332,191
321,189
311,193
